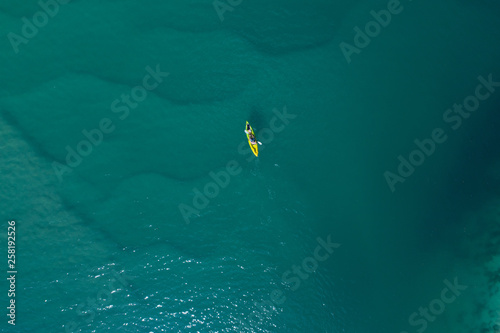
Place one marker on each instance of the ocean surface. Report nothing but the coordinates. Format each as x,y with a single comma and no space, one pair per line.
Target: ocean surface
373,206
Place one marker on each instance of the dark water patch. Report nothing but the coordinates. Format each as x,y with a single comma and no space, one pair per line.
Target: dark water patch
281,27
257,118
469,182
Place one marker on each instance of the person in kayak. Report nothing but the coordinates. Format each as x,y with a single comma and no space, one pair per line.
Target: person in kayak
250,135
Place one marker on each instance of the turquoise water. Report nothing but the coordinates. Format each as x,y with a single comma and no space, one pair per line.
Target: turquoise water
112,233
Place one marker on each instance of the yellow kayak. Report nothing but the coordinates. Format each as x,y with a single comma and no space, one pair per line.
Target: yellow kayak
254,146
